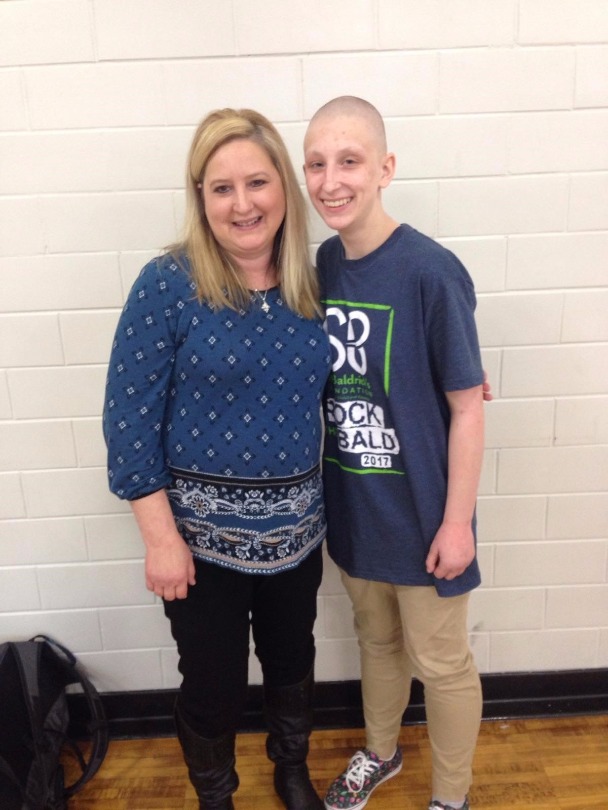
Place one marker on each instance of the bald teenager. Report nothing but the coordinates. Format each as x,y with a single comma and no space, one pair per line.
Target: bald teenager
402,458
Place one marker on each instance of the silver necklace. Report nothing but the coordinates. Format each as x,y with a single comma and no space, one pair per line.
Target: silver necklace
264,306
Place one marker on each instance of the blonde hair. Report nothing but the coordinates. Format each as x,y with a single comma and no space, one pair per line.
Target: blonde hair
217,279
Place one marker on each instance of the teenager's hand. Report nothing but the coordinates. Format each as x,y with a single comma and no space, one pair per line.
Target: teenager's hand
170,568
452,551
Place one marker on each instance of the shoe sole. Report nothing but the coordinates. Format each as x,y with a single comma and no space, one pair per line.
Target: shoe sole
365,801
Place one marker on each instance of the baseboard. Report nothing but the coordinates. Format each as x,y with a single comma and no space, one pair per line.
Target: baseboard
338,704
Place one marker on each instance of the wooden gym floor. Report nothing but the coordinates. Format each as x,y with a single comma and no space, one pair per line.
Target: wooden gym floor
532,764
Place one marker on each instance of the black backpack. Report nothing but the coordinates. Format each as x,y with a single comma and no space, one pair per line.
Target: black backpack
34,724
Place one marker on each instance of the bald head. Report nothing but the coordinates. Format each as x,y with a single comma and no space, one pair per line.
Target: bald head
353,107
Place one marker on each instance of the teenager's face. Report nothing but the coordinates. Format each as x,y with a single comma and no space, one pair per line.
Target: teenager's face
345,169
244,199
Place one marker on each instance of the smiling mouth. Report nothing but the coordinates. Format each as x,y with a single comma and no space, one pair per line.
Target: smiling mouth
247,223
337,203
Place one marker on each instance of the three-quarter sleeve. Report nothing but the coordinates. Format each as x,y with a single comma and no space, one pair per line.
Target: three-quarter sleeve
139,378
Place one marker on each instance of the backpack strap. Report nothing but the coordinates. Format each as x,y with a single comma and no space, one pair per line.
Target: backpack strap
8,772
98,724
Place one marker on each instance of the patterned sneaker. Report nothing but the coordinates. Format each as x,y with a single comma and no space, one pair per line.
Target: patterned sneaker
365,771
439,806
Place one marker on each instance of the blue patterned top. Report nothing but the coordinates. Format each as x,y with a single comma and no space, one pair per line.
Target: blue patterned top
222,409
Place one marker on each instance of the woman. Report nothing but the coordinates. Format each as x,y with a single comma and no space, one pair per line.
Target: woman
213,431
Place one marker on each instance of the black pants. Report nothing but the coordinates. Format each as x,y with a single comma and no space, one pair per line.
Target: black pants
211,628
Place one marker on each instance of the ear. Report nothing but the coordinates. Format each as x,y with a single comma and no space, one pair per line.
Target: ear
388,166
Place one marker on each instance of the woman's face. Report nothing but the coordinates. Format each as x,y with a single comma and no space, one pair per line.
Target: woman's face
244,200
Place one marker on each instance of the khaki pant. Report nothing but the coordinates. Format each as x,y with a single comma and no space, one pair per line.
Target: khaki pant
405,631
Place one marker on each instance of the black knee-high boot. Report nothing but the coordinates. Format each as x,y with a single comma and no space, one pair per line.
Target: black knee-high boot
210,766
288,711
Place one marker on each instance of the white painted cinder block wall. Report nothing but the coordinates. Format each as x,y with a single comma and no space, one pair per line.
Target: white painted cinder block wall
498,114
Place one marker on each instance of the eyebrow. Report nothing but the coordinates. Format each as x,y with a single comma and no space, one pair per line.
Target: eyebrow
260,173
359,150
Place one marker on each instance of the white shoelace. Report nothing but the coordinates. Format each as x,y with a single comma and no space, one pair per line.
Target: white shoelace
359,768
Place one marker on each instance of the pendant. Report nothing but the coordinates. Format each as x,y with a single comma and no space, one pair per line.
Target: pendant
265,307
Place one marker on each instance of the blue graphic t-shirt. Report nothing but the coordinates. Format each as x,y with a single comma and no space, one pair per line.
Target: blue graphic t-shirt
402,332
